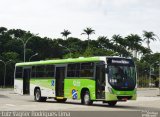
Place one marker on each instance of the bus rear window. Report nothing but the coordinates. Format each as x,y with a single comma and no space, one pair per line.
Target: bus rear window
19,71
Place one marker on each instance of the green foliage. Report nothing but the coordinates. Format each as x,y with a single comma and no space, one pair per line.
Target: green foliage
133,40
10,56
147,62
88,52
88,31
11,48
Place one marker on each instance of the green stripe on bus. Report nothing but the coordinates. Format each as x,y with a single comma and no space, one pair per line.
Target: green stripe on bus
60,61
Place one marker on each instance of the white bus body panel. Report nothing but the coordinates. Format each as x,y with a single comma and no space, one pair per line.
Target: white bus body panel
18,86
45,92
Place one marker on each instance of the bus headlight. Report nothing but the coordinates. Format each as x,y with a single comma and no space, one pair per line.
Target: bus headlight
110,90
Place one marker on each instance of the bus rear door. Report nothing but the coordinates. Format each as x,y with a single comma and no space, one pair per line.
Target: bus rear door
60,75
26,80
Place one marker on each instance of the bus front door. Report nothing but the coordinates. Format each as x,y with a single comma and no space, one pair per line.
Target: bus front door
100,82
26,80
60,75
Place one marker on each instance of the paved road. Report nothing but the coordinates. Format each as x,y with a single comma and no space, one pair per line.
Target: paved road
9,101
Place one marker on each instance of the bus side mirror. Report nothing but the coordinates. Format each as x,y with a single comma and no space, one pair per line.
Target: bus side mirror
106,70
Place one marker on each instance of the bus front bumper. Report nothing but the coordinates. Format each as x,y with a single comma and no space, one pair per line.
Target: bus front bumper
120,97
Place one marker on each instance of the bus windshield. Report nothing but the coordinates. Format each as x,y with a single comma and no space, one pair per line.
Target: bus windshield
122,76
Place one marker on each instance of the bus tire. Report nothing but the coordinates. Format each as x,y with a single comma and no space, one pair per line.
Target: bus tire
37,96
86,100
112,103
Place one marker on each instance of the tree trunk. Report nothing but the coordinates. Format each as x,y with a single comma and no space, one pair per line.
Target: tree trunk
148,43
88,41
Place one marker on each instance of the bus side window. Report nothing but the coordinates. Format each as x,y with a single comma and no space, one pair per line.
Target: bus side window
73,70
33,74
87,69
50,70
19,71
40,71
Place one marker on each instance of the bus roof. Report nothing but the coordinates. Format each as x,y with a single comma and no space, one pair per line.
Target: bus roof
69,60
60,61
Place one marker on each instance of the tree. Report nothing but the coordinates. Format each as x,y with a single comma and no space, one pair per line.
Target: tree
143,50
47,48
11,56
65,33
88,52
104,43
148,36
88,31
17,33
2,30
117,39
152,60
75,45
133,41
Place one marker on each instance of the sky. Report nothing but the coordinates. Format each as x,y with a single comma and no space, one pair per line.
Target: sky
106,17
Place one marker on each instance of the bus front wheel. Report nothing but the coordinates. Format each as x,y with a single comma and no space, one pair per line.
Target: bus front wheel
86,100
37,96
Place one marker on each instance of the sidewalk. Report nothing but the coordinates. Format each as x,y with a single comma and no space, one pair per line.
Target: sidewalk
140,89
148,92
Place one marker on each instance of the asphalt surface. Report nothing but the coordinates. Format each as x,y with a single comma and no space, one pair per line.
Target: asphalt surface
9,101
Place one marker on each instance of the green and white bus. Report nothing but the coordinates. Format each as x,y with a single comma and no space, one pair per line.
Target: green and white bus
108,79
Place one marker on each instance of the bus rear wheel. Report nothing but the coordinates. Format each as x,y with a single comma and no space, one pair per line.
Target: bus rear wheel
112,103
37,96
86,100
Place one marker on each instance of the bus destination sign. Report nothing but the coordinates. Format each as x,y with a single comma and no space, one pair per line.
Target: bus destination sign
120,61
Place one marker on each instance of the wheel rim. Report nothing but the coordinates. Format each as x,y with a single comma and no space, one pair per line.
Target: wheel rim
86,98
37,96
